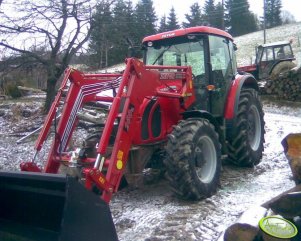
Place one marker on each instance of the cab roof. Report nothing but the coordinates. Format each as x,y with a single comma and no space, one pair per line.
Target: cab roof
186,31
275,44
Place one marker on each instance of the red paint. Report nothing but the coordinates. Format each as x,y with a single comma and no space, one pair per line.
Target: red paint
248,68
29,167
185,31
135,88
232,95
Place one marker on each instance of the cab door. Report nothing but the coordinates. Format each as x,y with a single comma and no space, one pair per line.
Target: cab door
266,62
222,70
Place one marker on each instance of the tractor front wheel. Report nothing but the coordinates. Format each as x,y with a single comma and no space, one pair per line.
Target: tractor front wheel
193,160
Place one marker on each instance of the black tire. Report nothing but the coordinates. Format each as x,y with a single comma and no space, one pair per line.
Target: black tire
281,67
89,144
190,175
246,139
89,150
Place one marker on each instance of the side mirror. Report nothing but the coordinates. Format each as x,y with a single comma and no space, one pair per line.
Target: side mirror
235,47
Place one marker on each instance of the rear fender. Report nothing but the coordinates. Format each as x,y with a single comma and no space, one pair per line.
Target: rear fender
240,81
280,61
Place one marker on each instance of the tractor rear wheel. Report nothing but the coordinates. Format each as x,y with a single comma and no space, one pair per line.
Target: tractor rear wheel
246,134
193,161
281,68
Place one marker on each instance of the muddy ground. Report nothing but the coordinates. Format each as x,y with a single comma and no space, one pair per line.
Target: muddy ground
153,213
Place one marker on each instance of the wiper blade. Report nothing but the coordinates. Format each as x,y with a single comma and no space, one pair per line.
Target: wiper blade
161,54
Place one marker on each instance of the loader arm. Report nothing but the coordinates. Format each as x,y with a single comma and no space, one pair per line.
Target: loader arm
137,83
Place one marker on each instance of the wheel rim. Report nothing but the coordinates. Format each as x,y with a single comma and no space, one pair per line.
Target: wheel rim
205,159
254,128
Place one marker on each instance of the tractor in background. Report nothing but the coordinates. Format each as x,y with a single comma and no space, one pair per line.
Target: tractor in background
271,60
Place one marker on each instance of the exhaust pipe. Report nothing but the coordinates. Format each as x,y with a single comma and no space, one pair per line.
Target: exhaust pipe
51,207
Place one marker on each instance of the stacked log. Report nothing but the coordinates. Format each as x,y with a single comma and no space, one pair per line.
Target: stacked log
287,86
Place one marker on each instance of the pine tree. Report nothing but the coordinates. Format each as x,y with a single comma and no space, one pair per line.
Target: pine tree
172,22
101,34
219,16
163,25
239,19
123,20
273,13
209,13
145,19
195,17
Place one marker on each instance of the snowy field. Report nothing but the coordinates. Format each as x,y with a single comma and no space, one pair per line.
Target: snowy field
246,44
153,213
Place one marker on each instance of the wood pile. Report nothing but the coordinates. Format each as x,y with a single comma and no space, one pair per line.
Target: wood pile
28,91
287,86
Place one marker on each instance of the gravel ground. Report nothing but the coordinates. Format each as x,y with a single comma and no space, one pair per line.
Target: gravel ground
152,212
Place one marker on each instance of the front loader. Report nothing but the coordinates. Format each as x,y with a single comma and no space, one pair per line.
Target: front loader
182,110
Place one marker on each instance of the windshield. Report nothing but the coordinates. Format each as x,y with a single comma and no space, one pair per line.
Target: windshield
185,52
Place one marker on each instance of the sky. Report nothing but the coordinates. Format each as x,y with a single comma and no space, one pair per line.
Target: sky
183,6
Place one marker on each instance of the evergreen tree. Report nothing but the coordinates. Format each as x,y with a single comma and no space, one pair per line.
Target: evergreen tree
122,28
172,22
194,18
239,19
219,16
163,25
101,34
145,19
209,13
273,13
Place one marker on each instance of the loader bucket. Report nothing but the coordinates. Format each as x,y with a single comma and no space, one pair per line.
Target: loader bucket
292,149
51,207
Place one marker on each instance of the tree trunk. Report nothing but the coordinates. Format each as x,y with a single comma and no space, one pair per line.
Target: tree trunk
50,94
53,75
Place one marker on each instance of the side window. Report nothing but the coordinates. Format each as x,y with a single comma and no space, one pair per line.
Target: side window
220,56
288,51
233,57
279,52
267,54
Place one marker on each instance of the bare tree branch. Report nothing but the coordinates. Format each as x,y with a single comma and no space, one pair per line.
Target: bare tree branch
49,31
37,57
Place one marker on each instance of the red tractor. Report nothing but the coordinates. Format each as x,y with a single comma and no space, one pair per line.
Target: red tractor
182,110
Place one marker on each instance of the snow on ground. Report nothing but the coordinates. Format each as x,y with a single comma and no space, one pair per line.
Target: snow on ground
152,212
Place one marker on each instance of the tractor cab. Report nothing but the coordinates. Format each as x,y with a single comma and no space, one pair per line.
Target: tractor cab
209,52
269,55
